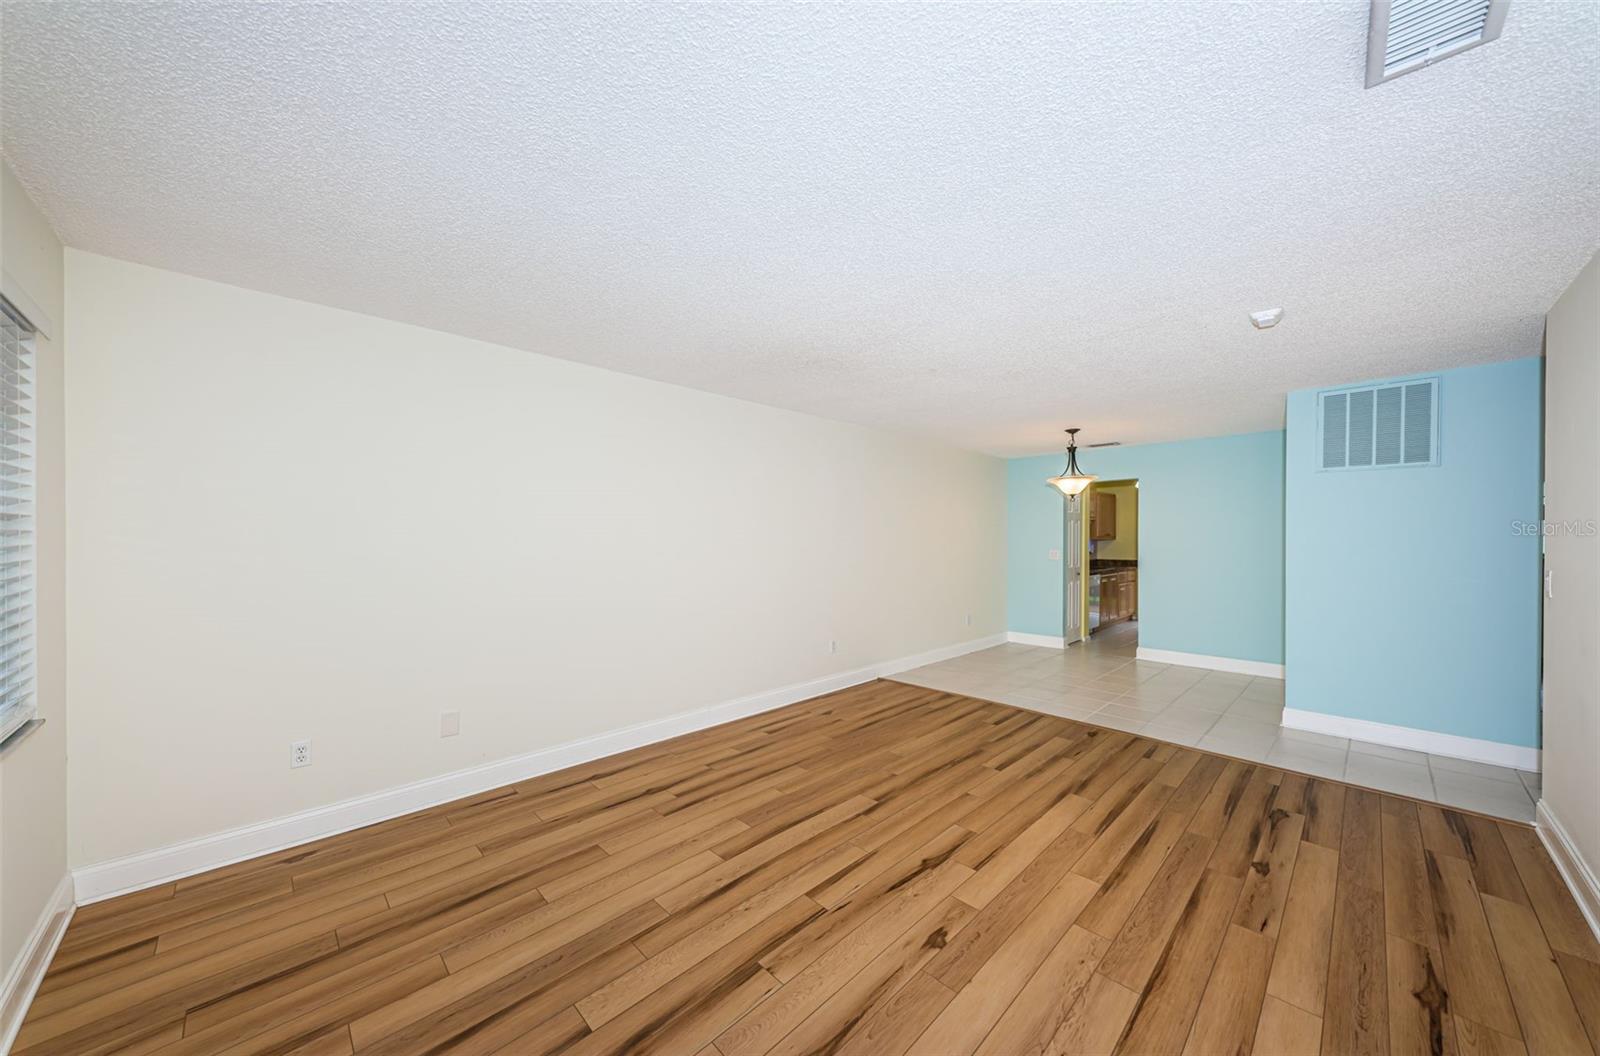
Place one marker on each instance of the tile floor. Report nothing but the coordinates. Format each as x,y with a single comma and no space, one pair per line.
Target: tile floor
1100,682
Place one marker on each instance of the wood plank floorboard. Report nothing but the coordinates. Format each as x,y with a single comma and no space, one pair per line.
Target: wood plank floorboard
883,870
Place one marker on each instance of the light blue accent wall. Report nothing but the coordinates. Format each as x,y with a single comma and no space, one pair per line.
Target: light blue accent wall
1413,599
1210,543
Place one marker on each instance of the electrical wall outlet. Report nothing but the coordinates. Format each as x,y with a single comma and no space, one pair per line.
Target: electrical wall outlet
833,646
299,754
1055,555
449,724
969,619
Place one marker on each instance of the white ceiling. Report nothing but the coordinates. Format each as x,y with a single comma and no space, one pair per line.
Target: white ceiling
980,222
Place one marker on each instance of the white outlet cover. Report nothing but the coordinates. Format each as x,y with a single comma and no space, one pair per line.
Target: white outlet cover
449,724
299,754
1055,555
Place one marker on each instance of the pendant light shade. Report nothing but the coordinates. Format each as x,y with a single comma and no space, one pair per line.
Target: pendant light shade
1072,481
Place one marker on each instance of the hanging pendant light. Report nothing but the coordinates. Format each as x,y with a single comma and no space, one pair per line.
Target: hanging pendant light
1072,480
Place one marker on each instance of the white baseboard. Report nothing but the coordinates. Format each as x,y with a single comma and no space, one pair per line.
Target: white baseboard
1259,668
122,875
1048,641
1579,874
1512,755
27,972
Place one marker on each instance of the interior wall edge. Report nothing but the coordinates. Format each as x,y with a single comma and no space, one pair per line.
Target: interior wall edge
1580,875
120,876
22,981
1497,753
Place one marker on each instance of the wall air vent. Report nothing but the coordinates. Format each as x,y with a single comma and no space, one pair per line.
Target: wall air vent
1406,35
1379,426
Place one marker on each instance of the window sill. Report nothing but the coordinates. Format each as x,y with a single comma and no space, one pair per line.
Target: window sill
19,735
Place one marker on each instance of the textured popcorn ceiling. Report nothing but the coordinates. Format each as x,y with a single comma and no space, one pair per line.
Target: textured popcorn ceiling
979,222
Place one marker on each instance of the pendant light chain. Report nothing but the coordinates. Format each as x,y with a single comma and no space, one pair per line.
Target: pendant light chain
1072,480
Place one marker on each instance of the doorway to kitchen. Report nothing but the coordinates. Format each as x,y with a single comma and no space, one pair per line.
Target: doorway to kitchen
1111,560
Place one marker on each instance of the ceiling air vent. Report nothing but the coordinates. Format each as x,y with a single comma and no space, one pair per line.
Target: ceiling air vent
1379,426
1406,35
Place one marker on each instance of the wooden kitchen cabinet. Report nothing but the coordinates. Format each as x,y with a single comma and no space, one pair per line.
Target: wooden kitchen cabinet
1102,515
1119,596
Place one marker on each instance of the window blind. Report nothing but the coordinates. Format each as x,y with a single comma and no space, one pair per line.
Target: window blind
16,520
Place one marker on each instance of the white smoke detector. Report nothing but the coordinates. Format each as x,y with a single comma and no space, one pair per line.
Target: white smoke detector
1265,320
1406,35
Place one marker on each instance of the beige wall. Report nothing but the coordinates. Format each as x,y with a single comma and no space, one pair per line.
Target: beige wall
1125,547
33,774
295,522
1572,613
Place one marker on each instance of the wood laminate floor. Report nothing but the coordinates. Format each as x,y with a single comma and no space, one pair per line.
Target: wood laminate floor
884,870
